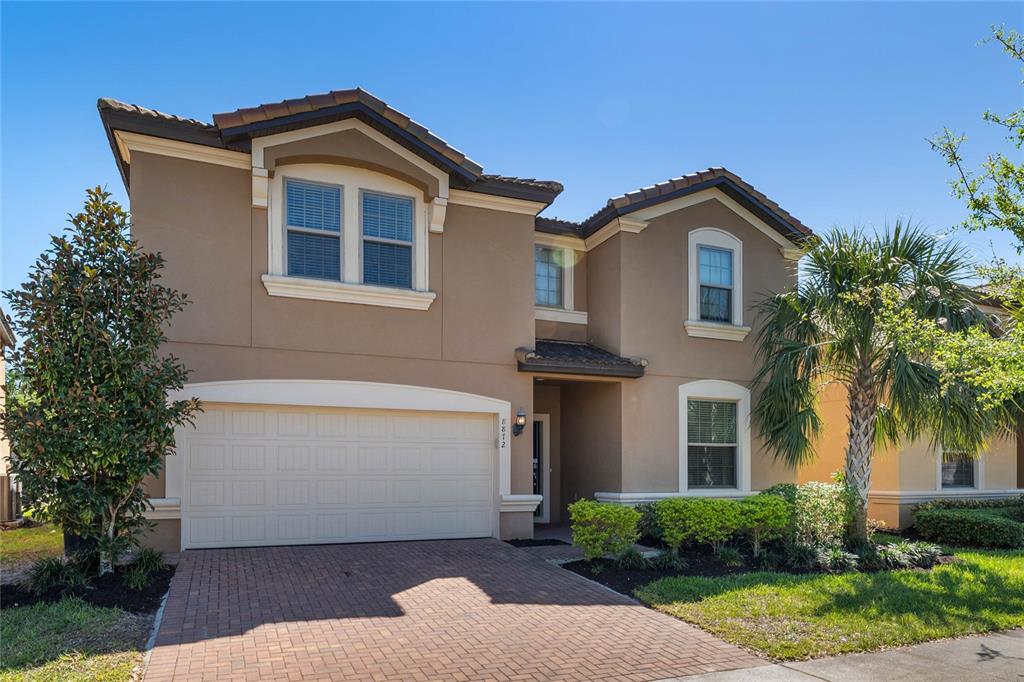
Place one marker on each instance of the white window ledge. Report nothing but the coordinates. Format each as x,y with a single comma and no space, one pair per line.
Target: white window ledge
520,503
560,315
345,292
716,330
641,498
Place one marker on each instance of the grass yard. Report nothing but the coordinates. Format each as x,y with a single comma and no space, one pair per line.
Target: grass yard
804,616
70,641
24,545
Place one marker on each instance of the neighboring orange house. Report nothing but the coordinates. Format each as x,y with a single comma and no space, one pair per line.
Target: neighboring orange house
391,344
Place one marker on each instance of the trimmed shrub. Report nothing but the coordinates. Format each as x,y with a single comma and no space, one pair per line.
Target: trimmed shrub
978,527
650,529
705,520
764,518
821,513
603,529
968,503
907,554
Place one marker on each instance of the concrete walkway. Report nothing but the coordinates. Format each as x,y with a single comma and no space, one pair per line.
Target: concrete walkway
982,658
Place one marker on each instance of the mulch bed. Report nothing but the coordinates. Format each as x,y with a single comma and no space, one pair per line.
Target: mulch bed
625,581
105,591
545,542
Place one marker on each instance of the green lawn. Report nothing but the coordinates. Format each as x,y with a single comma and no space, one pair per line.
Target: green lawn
24,545
70,641
804,616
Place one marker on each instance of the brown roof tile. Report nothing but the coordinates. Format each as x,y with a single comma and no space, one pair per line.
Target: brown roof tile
268,112
117,105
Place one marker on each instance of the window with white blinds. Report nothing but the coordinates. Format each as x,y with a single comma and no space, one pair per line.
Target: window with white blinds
711,434
313,224
387,240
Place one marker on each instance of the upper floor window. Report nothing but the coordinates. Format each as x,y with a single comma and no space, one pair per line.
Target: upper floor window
387,240
715,284
548,277
313,217
958,472
712,443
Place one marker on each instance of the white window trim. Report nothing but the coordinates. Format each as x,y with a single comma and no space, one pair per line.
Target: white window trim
717,239
715,389
979,474
350,289
567,311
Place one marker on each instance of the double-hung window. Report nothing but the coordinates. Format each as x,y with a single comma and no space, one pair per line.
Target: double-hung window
313,224
958,472
548,277
716,282
711,434
387,240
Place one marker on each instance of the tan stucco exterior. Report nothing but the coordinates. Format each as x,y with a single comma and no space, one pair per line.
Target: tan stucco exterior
906,474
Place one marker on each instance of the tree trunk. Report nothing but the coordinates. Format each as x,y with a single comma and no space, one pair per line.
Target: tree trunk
106,558
863,412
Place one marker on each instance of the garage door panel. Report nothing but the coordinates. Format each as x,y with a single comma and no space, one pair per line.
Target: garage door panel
295,475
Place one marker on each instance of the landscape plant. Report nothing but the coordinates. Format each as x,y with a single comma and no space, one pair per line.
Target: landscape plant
93,416
765,518
705,520
602,529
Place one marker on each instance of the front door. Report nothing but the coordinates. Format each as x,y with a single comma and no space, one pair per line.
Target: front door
541,467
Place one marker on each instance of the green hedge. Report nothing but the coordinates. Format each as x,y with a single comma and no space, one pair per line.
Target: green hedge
982,526
954,503
603,529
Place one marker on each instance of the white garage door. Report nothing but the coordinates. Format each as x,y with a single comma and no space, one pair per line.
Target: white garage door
259,475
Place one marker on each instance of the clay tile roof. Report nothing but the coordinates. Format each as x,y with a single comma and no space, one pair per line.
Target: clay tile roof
549,185
574,357
621,204
268,112
116,105
558,226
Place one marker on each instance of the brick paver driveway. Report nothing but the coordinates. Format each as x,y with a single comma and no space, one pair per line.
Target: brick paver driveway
452,610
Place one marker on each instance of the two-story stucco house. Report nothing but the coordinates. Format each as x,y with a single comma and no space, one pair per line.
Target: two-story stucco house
391,344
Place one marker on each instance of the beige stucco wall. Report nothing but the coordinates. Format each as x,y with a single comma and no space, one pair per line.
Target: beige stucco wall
638,303
199,217
563,331
591,454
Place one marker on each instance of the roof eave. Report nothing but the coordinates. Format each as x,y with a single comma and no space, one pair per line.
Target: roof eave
559,367
726,185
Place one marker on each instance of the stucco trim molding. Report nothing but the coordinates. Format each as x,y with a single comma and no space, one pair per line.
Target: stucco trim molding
344,292
919,496
135,142
559,315
642,498
164,508
495,203
520,503
559,241
713,330
716,389
621,224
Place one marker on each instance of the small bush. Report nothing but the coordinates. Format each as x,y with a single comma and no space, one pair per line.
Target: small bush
603,529
730,556
786,491
136,577
969,503
972,527
705,520
52,572
631,560
835,559
669,560
149,560
907,554
765,517
821,513
801,557
650,529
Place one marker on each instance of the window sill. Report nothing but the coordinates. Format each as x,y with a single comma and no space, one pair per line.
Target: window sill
560,315
346,292
716,330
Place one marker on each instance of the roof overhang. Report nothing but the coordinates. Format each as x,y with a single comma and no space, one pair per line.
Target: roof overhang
576,358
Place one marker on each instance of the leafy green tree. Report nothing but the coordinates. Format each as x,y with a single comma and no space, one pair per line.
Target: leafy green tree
827,330
91,418
994,194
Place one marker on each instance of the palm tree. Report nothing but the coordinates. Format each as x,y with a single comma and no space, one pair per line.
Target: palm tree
827,330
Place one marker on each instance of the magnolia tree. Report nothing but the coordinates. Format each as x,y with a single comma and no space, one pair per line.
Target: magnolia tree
91,417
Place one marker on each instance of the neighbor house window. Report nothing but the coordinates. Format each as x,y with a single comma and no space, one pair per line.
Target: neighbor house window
958,472
711,436
715,284
387,240
313,223
548,277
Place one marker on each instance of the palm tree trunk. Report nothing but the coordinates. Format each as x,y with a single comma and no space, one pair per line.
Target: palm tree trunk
863,412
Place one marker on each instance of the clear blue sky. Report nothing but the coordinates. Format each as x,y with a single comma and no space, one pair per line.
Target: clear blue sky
824,107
